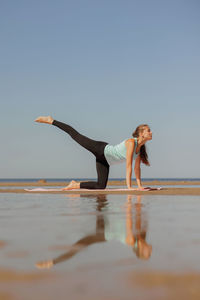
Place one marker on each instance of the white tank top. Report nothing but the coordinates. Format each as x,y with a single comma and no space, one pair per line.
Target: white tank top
117,154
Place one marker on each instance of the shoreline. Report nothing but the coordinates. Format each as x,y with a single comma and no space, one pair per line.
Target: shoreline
164,191
185,189
110,182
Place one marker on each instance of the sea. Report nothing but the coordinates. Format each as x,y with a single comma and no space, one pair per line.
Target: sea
84,179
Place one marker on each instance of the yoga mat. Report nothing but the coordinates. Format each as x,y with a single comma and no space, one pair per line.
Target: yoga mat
107,190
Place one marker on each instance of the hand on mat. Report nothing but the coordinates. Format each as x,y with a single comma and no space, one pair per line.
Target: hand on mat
139,189
148,188
143,188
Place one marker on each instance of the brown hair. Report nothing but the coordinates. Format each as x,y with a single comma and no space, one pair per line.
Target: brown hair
143,152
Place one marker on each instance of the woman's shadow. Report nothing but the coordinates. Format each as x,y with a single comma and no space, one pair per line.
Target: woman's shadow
135,232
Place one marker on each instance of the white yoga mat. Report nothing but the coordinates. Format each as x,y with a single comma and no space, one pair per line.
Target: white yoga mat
81,190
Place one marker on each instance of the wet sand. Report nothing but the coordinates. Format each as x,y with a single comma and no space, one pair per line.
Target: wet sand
89,285
164,191
8,188
79,233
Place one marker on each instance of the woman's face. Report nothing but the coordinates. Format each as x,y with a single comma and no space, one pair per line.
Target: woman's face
147,134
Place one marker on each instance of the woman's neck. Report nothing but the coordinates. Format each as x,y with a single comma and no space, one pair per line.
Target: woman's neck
141,142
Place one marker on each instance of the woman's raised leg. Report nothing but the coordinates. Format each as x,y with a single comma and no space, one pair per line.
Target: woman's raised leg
96,147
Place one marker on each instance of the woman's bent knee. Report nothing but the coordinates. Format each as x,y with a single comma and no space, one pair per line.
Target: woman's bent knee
101,186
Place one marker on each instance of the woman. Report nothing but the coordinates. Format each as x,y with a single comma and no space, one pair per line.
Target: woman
106,155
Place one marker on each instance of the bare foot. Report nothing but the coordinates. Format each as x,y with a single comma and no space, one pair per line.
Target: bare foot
44,264
72,186
47,120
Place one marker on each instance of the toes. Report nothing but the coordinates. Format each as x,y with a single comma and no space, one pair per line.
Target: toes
38,119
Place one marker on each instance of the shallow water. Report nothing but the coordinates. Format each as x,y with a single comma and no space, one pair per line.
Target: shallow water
104,237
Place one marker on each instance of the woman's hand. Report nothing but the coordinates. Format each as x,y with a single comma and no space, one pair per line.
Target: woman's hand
147,188
132,188
143,188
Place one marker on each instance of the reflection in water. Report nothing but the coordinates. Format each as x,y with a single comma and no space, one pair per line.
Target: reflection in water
134,233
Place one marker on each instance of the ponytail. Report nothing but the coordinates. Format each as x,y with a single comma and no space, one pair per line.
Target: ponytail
143,152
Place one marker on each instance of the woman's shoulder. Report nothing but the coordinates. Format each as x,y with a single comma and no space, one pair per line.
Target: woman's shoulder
130,142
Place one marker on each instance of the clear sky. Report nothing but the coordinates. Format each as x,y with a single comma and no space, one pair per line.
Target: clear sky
104,67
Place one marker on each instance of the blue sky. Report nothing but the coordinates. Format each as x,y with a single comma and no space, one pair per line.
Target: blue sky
104,67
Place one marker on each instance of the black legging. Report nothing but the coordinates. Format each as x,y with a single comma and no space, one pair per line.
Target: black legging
97,148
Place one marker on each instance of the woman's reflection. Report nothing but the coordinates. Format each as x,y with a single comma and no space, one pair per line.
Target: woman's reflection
86,241
135,231
136,235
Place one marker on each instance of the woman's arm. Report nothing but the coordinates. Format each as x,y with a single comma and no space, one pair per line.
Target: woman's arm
130,146
137,170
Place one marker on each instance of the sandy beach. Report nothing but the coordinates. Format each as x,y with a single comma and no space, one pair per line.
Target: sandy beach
165,191
81,247
80,285
185,189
